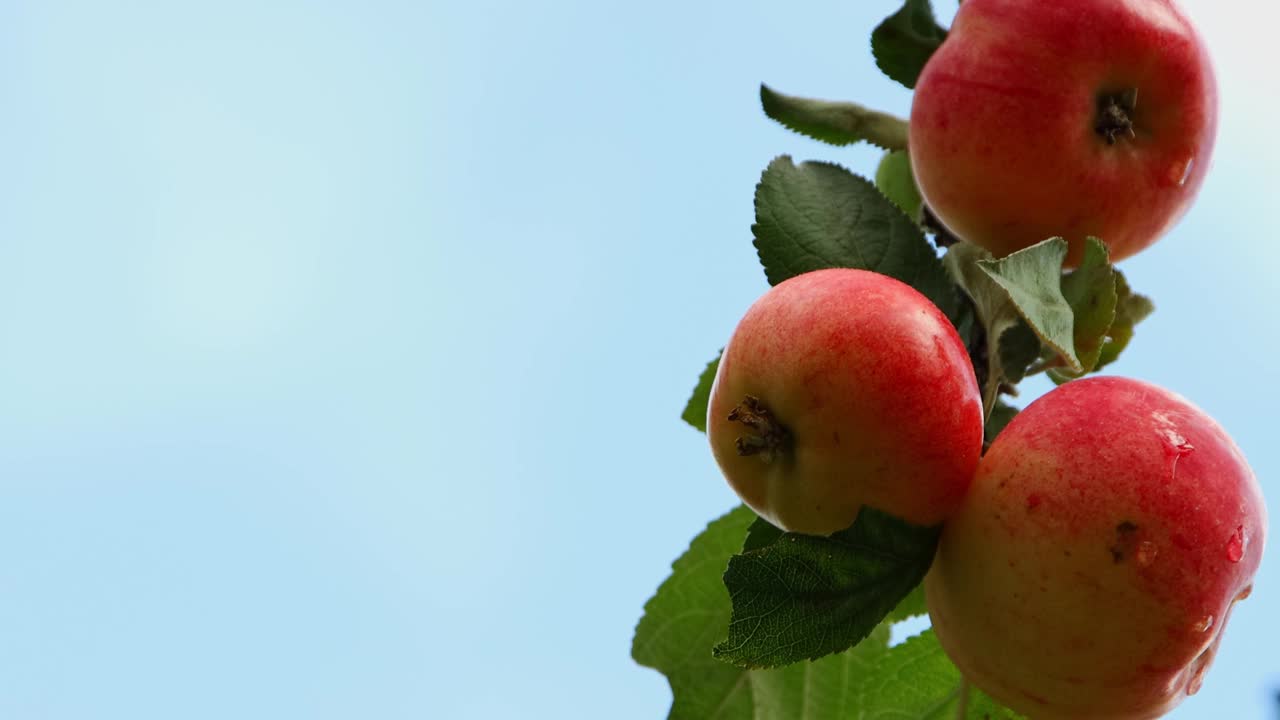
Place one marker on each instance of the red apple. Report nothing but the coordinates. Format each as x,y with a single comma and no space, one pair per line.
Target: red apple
1091,569
1067,118
841,388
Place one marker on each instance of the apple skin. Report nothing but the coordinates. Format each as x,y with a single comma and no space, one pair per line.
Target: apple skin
877,393
1091,569
1003,133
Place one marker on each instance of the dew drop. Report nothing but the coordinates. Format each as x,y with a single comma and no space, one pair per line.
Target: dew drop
1203,624
1197,678
1167,429
1180,171
1235,545
1201,665
1176,441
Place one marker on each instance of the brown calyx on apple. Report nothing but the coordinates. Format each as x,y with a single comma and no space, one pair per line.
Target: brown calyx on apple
1115,114
771,438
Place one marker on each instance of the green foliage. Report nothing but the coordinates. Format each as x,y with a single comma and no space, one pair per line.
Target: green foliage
894,178
916,680
1032,280
810,616
695,411
996,312
837,123
802,597
829,688
1001,415
903,43
685,619
913,605
690,611
1074,323
1091,292
1131,309
1019,348
818,215
762,534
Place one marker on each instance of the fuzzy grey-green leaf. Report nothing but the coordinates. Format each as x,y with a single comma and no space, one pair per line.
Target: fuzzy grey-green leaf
836,123
1090,290
1131,309
1032,277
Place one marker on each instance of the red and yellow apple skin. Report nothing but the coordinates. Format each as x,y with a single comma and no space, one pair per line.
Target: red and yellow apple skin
875,394
1092,567
1004,133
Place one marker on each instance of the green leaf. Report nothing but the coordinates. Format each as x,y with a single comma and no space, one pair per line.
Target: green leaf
916,681
804,596
1019,347
824,689
761,534
684,619
837,123
1131,309
1001,416
911,606
996,313
1032,277
1090,290
903,43
818,215
894,179
972,333
695,411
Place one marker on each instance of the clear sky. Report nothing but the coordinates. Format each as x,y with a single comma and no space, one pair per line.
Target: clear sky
342,344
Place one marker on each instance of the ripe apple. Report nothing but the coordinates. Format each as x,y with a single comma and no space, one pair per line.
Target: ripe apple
1068,118
841,388
1091,568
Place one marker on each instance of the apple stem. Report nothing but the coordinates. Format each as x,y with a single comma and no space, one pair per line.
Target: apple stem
962,702
771,438
1115,115
1042,365
995,378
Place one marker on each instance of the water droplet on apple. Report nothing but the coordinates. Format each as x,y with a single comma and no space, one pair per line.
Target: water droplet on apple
1180,172
1201,665
1176,442
1146,553
1236,545
1203,624
1197,676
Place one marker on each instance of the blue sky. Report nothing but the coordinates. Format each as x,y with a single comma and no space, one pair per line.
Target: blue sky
344,343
